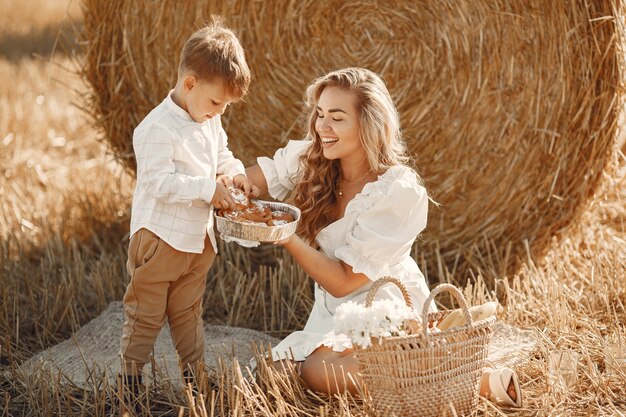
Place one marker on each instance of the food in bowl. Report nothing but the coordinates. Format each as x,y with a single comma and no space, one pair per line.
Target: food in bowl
257,220
254,211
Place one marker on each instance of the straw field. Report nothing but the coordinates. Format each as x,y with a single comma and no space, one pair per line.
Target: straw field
64,216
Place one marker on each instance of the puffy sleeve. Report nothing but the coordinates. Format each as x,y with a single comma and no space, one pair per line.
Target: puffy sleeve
387,221
284,170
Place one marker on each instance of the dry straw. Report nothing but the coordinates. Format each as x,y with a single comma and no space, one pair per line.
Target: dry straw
509,108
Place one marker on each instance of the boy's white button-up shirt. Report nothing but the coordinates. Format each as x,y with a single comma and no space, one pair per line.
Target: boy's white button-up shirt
177,162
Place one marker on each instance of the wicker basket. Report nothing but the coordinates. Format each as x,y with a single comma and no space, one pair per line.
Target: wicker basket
426,374
260,232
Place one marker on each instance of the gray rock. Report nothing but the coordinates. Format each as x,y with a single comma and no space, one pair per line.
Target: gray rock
96,347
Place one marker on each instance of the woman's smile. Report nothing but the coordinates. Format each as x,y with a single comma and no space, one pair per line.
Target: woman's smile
328,141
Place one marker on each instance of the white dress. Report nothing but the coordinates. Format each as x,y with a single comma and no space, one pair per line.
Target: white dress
374,236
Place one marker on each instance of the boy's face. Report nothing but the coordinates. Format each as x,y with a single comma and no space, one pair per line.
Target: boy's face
205,99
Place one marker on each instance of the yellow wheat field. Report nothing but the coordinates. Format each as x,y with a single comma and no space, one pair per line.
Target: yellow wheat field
64,211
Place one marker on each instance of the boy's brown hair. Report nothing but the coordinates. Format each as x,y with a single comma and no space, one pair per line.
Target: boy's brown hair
215,51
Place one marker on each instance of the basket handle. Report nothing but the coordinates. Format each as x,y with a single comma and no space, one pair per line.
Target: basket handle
457,295
384,280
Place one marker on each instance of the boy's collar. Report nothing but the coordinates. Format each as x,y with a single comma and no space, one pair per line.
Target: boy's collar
176,108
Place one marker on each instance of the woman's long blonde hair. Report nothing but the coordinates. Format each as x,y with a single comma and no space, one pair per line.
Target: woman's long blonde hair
379,133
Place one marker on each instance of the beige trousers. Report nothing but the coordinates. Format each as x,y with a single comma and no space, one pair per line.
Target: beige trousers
164,283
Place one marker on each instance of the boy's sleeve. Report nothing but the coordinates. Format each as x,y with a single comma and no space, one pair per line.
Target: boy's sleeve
156,174
226,162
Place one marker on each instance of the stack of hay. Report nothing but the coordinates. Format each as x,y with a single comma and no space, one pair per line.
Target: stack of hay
510,109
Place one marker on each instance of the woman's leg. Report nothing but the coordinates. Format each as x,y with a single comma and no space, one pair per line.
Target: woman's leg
330,372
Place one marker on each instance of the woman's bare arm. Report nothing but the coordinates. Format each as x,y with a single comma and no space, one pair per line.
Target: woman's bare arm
334,276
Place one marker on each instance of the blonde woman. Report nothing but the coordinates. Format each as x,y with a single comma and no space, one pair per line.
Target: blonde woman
362,209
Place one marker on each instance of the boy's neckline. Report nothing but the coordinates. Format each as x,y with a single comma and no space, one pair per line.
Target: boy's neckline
176,108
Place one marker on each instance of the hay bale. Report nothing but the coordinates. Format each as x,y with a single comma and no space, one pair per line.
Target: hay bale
510,108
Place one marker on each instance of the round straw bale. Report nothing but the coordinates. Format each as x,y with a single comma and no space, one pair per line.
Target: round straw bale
509,108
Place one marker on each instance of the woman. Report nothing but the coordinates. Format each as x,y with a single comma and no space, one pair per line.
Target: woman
362,209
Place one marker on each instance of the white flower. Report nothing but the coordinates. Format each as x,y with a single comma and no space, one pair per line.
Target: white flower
360,324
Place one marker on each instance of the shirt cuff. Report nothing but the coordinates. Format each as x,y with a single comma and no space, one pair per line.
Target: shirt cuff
208,190
236,171
235,168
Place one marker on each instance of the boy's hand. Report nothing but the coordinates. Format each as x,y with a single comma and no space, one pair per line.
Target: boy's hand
224,179
222,198
242,182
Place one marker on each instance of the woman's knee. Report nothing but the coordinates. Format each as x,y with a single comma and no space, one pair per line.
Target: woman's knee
314,374
329,372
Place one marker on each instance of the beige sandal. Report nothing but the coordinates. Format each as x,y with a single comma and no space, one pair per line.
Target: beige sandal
499,381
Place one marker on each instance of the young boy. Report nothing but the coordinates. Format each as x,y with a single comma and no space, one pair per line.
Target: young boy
180,147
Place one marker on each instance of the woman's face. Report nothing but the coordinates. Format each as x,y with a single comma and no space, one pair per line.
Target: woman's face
337,124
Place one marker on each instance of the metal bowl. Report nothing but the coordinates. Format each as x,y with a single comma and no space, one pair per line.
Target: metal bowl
260,232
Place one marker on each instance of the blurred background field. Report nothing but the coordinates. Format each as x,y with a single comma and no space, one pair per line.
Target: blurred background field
64,213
